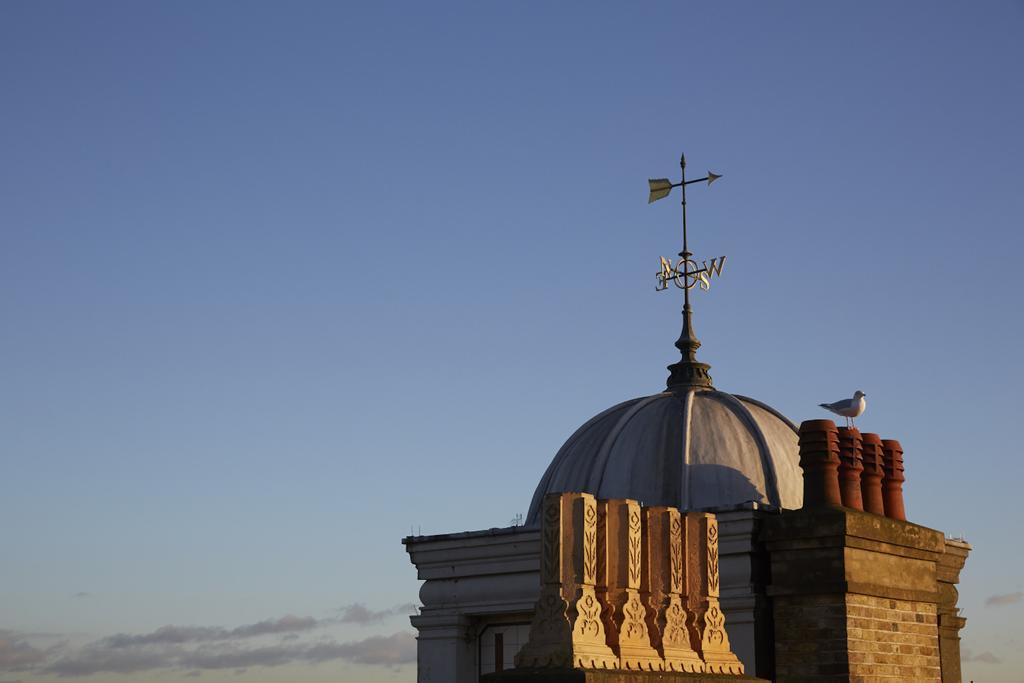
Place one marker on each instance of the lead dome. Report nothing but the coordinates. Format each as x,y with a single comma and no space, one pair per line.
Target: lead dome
694,449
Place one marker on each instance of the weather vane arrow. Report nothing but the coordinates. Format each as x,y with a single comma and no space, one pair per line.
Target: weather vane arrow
688,373
660,187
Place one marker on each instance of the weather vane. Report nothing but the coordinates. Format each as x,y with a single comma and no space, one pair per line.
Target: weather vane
688,373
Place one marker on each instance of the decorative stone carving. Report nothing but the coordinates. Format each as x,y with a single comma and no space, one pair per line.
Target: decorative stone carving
662,584
708,634
629,588
567,628
626,617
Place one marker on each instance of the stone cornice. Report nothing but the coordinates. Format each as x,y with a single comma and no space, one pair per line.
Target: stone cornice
475,553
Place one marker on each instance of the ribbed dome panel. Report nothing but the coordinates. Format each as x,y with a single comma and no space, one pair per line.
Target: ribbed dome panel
702,449
725,458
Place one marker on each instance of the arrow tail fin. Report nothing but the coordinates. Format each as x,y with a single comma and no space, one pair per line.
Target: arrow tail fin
660,187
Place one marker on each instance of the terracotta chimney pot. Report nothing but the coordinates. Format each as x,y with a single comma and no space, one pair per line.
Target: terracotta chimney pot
892,482
871,477
850,467
819,458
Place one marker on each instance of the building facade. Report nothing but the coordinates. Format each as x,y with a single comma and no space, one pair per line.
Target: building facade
821,577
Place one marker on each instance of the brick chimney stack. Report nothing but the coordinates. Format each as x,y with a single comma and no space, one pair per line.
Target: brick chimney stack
858,592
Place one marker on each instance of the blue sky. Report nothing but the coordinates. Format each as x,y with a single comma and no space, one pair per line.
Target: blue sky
280,282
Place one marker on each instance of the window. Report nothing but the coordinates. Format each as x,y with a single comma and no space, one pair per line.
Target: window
498,644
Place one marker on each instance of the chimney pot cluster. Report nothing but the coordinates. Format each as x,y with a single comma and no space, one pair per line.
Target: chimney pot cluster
844,467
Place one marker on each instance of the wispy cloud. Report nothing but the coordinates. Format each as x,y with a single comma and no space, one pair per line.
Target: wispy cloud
357,613
96,658
1004,599
82,594
394,650
16,654
177,635
967,655
194,649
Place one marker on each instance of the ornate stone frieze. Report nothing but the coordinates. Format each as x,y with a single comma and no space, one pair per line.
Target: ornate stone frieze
708,634
626,623
662,589
567,628
627,587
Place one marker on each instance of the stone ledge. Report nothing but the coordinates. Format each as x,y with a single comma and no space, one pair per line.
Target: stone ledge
475,553
836,551
844,527
604,676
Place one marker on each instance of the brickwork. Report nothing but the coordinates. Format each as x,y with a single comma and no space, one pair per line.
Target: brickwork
838,637
810,638
894,639
858,597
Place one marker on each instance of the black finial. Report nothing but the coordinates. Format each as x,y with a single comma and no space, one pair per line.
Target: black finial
688,372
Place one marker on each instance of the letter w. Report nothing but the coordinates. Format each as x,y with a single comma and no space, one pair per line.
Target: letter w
715,268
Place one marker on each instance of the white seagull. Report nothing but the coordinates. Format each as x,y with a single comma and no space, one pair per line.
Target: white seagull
848,407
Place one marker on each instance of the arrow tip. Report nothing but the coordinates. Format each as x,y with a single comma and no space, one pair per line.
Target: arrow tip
712,177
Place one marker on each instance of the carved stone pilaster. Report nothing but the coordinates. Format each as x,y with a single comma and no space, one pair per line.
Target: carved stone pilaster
707,632
567,630
626,616
661,588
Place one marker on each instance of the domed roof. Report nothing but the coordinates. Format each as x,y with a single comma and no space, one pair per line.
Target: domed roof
690,448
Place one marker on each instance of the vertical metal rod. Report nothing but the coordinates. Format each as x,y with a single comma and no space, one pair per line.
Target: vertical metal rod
688,372
686,250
